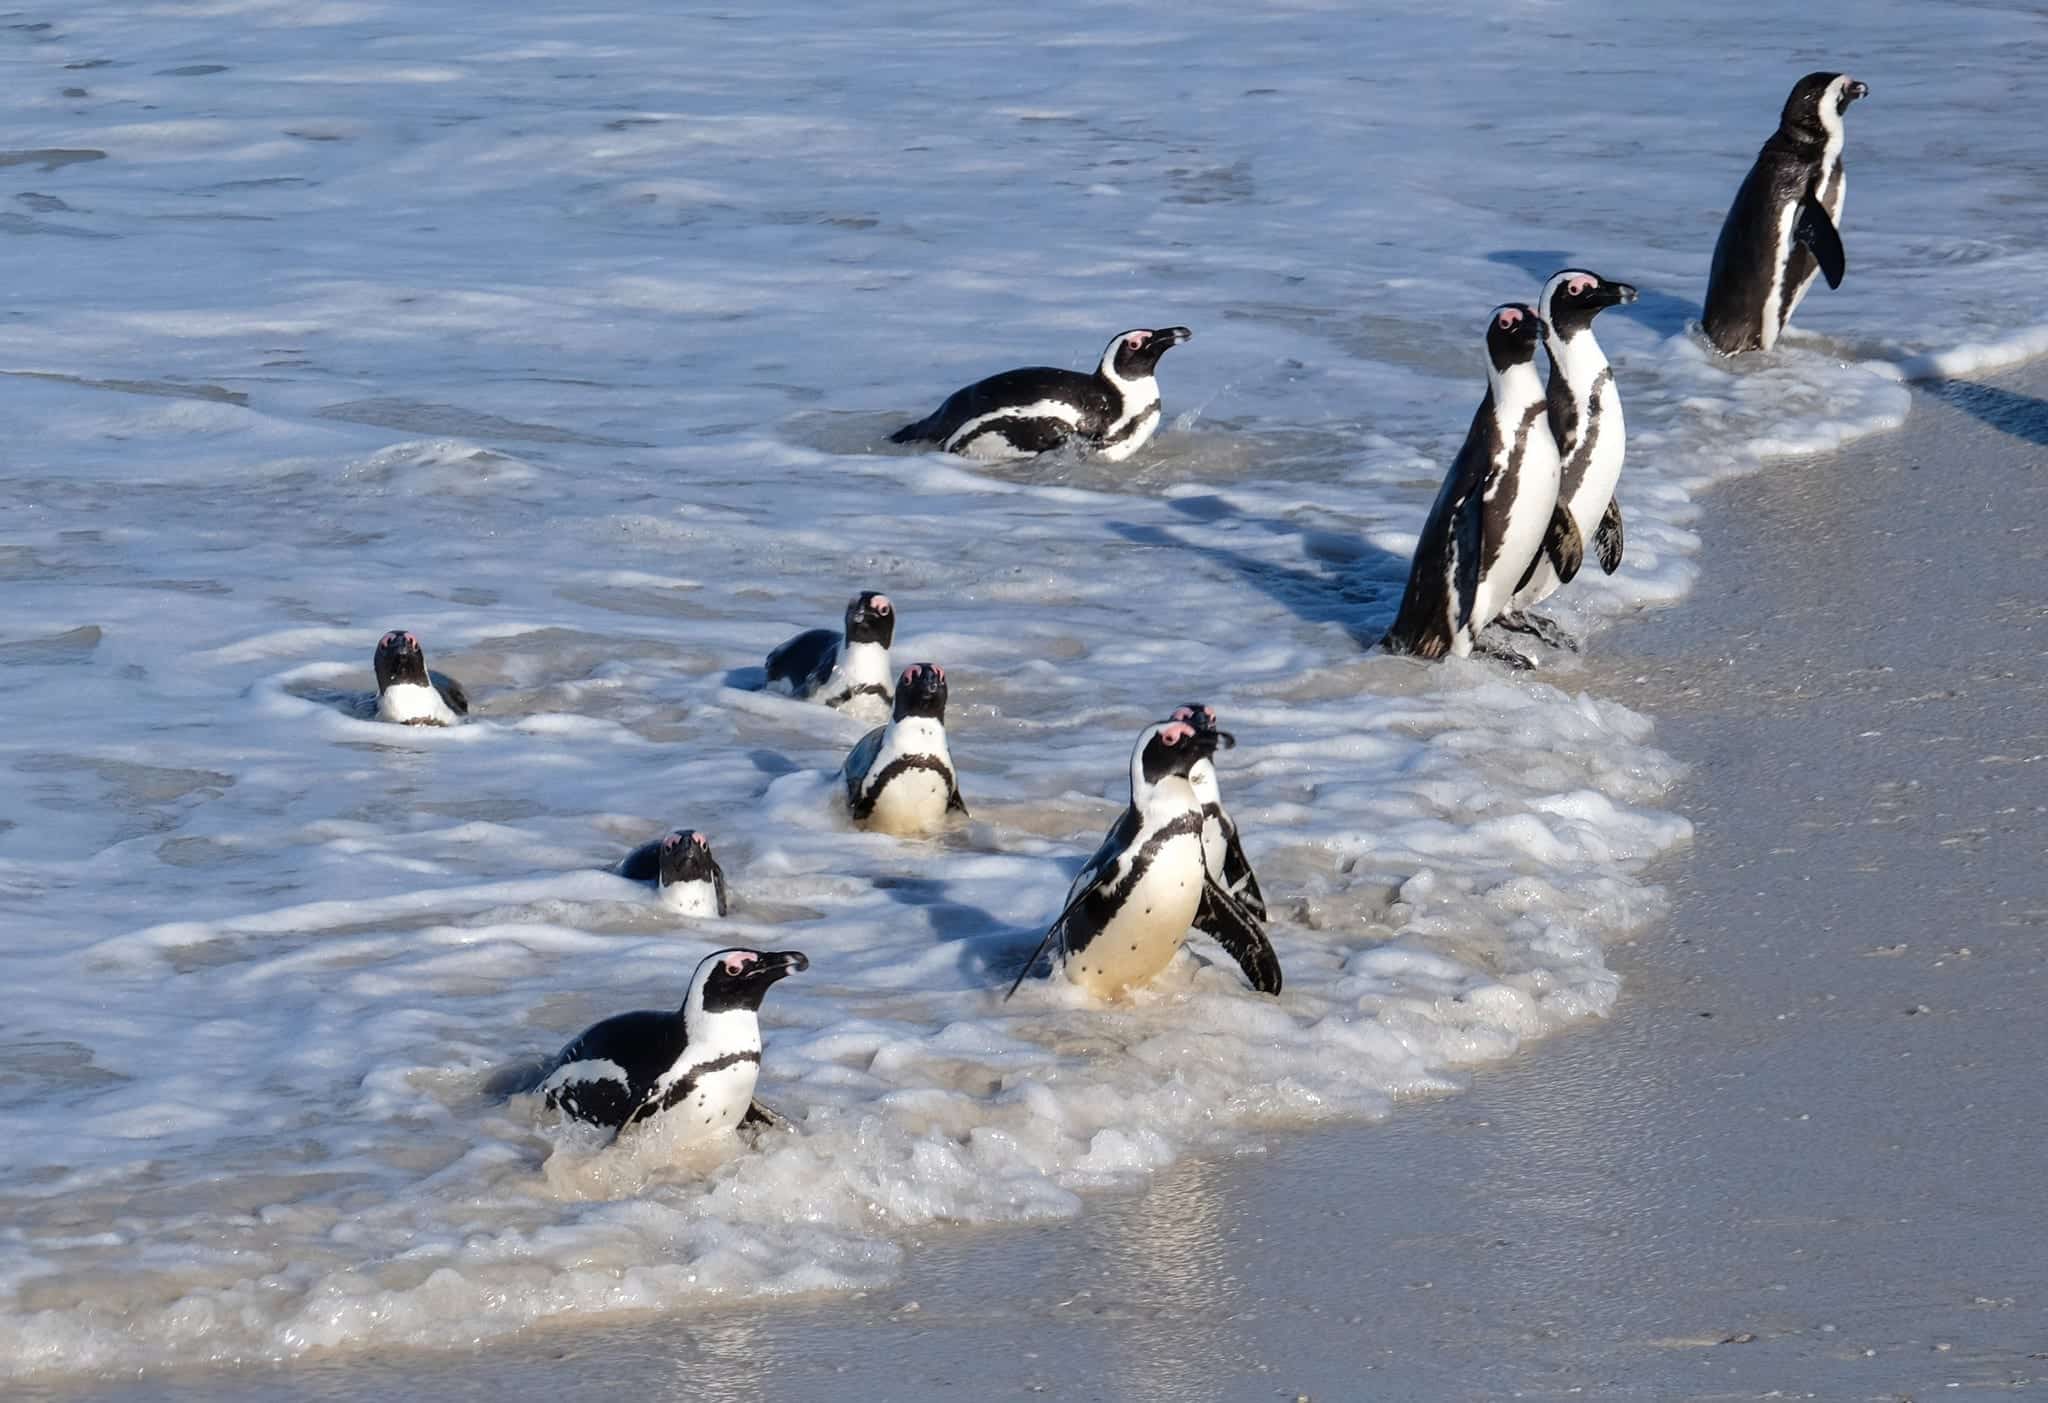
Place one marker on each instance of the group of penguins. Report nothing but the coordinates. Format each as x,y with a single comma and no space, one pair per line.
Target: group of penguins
1533,484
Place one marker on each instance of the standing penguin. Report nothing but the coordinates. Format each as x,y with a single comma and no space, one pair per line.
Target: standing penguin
682,871
1129,910
848,669
899,777
1785,224
1021,413
408,694
1221,850
696,1065
1584,409
1494,511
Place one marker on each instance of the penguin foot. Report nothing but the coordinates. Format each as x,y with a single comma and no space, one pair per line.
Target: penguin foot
1538,627
1501,653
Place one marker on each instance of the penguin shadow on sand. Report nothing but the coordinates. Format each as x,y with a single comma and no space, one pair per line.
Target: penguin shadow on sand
1659,311
1360,590
2022,416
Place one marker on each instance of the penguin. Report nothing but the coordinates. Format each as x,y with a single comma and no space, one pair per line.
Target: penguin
1584,409
1130,908
1496,509
847,670
682,871
899,777
1786,222
1222,853
1022,413
408,694
696,1066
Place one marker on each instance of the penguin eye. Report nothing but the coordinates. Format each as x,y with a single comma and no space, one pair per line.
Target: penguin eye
1136,340
1579,287
390,641
737,963
881,604
1508,318
671,843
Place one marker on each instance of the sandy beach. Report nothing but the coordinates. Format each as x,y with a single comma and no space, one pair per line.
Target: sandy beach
1799,1161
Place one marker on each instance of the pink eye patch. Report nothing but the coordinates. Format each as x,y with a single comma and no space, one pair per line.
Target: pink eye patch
1176,733
1578,286
737,963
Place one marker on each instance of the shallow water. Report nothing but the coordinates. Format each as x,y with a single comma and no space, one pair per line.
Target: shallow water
571,342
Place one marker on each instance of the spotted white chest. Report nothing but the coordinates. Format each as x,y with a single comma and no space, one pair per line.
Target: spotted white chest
862,669
910,800
1527,501
410,704
1151,925
697,898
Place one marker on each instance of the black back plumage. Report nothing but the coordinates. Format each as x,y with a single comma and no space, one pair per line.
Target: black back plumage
1435,605
1089,394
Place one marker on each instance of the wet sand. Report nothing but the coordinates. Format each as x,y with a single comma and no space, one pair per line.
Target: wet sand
1801,1159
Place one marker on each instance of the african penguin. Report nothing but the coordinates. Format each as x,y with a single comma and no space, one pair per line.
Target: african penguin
1021,413
1129,909
1493,512
1785,224
899,777
1222,852
1584,409
695,1067
682,871
849,669
407,693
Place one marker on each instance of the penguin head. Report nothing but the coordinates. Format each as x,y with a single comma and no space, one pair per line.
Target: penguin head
870,618
739,979
1167,749
1572,298
399,659
921,691
1202,717
1819,101
1135,354
1512,335
686,857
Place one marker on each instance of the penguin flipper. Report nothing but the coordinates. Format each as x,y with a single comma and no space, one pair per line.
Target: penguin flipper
1607,537
451,692
1816,229
1564,545
859,761
1238,877
761,1117
1223,920
718,885
956,805
1468,542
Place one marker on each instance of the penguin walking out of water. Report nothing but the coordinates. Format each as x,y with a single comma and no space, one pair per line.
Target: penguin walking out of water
848,670
695,1067
682,871
1584,410
1130,909
1222,853
1786,222
1494,511
1022,413
408,694
899,777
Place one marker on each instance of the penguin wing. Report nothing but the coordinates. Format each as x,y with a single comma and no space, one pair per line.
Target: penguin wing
451,692
1238,877
763,1118
1013,389
859,761
718,884
1445,570
805,661
643,864
1563,544
1224,920
954,803
1103,864
1816,229
1468,548
1607,537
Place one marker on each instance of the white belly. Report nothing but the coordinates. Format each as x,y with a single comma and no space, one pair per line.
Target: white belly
912,805
1596,489
1150,928
714,1106
1146,424
1528,522
690,898
410,704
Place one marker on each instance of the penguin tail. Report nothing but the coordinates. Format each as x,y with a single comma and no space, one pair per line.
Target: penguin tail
920,432
519,1078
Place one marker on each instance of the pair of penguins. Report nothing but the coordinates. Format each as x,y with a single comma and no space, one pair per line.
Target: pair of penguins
1173,861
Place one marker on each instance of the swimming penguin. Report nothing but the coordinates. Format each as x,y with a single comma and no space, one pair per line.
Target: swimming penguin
1494,512
682,871
1786,221
697,1064
899,777
1585,419
1129,910
1021,413
407,693
1222,852
848,669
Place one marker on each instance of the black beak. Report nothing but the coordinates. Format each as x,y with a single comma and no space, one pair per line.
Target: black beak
1203,743
1857,90
775,964
1229,741
1171,336
1613,293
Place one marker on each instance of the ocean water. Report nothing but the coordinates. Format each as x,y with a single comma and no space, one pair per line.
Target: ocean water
571,342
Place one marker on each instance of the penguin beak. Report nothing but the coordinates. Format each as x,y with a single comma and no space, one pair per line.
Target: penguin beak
1611,294
1229,740
776,964
1856,90
1167,337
